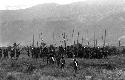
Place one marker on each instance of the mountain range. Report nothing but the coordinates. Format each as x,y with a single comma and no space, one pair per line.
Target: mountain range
52,20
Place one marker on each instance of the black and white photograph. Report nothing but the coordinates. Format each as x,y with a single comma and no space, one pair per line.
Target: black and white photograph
62,39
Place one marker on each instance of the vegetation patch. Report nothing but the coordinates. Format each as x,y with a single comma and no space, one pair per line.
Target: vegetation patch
38,70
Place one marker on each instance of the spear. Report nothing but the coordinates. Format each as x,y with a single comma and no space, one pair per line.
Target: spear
39,37
37,43
94,39
33,40
105,37
65,40
119,43
102,37
88,43
82,40
53,37
72,35
78,38
96,43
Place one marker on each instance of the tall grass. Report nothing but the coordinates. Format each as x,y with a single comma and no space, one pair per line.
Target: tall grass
29,69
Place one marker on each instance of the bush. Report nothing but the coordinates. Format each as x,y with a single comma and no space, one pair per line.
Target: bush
11,77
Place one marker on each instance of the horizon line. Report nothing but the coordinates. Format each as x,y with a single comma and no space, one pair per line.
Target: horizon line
22,7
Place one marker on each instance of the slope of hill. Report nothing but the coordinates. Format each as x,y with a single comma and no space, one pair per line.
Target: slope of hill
20,25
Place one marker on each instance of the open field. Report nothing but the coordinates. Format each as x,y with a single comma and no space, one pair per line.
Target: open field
98,69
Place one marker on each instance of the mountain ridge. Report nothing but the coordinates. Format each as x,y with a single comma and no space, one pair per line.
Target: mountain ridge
20,25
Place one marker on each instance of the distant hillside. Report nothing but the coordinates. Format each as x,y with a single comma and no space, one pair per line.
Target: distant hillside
20,25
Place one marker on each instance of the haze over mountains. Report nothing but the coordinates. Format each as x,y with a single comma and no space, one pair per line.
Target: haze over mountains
84,17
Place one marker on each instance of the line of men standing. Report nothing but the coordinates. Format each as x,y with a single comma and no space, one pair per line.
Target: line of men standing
10,52
6,53
61,62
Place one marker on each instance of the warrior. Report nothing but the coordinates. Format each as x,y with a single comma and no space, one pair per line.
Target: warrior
52,60
12,53
18,53
75,65
0,53
58,60
62,63
47,58
28,51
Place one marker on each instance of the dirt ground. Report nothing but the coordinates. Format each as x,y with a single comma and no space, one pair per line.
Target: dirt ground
112,68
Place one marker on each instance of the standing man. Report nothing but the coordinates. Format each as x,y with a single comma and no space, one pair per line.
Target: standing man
62,63
52,60
28,51
0,53
58,60
75,65
48,57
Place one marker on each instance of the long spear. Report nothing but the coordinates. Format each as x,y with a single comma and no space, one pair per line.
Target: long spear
37,43
78,38
73,35
96,43
39,38
105,37
65,40
53,38
94,39
88,43
82,40
33,40
119,43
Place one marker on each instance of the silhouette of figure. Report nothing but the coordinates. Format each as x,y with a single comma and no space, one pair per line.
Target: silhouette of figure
75,65
62,63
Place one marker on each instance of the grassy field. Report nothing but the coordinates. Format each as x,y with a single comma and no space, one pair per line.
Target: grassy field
112,68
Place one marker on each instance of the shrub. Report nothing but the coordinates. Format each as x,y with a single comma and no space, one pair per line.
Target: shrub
11,77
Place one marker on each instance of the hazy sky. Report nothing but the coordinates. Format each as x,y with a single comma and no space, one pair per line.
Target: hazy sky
15,4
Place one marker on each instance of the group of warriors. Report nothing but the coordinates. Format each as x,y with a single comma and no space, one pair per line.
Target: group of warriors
69,51
10,52
56,55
